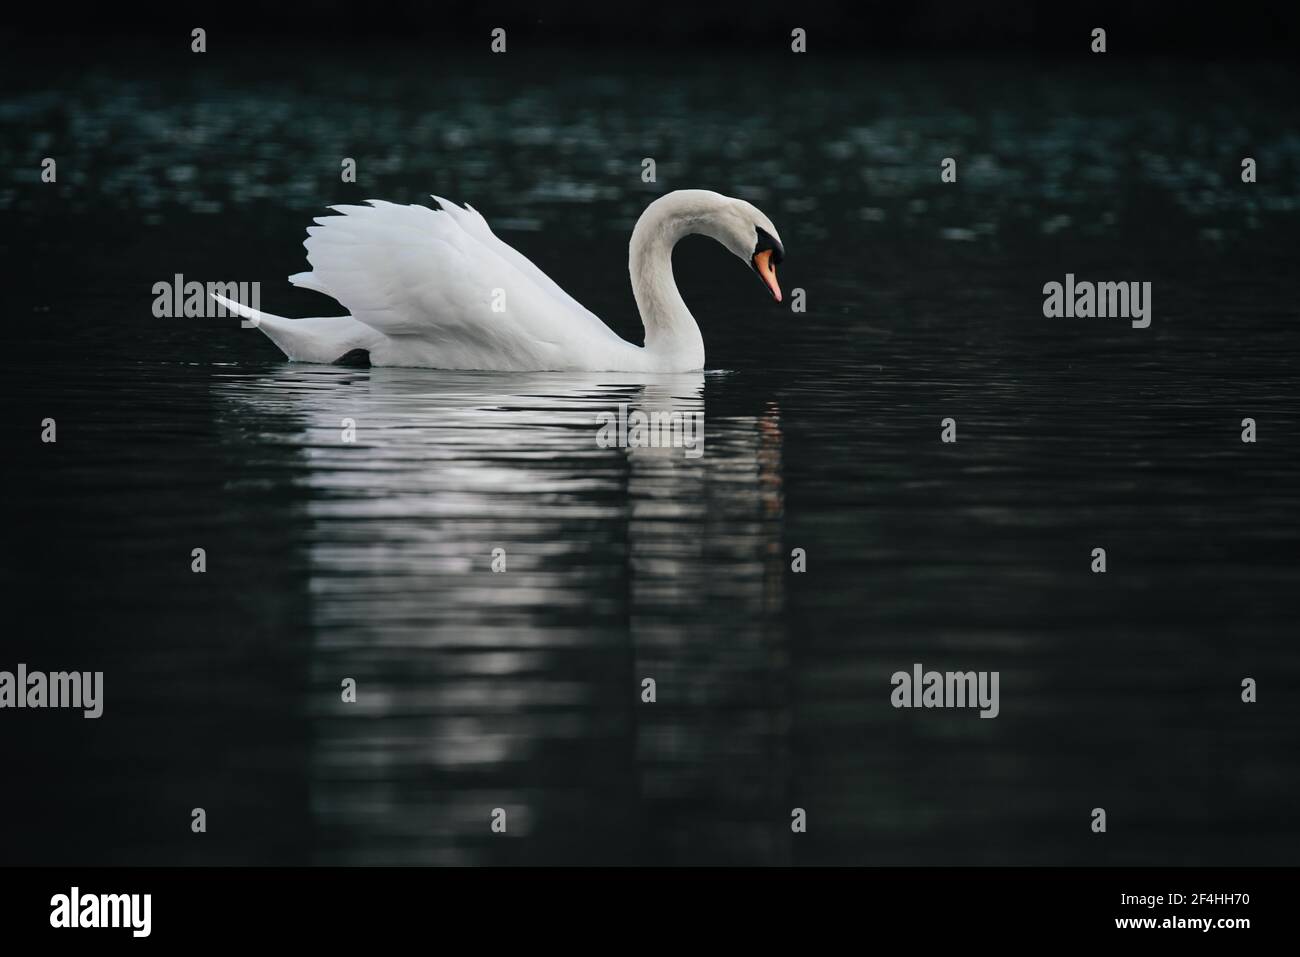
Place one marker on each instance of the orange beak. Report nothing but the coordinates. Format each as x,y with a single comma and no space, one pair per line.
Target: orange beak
766,270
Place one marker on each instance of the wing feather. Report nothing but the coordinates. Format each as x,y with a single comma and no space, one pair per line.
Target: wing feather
443,276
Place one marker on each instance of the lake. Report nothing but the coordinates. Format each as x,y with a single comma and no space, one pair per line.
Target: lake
522,689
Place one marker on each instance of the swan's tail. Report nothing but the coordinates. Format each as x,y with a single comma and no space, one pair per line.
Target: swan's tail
326,340
255,316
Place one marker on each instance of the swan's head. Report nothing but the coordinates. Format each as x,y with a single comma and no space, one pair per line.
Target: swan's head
742,228
738,225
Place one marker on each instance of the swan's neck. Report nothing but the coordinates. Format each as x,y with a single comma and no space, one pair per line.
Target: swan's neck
672,337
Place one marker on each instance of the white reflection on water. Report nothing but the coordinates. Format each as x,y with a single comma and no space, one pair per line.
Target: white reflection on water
522,690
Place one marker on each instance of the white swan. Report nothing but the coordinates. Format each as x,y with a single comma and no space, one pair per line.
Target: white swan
436,288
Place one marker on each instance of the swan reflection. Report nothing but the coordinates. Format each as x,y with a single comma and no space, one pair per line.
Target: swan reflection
500,586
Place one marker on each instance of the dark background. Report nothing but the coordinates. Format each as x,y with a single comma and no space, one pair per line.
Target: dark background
1247,29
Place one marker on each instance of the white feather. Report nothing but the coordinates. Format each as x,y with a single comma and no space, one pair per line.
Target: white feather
438,288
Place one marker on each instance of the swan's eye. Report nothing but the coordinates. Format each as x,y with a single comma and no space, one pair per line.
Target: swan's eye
766,241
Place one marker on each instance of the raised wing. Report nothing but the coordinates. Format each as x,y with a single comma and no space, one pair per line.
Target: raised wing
443,277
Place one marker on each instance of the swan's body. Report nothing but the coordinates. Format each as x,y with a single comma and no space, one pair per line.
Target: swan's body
437,288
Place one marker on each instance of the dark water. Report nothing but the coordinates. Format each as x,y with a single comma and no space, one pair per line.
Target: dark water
521,690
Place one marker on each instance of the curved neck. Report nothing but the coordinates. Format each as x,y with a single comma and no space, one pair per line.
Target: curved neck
671,333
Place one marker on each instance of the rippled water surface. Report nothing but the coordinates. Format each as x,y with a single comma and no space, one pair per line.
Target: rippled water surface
521,690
